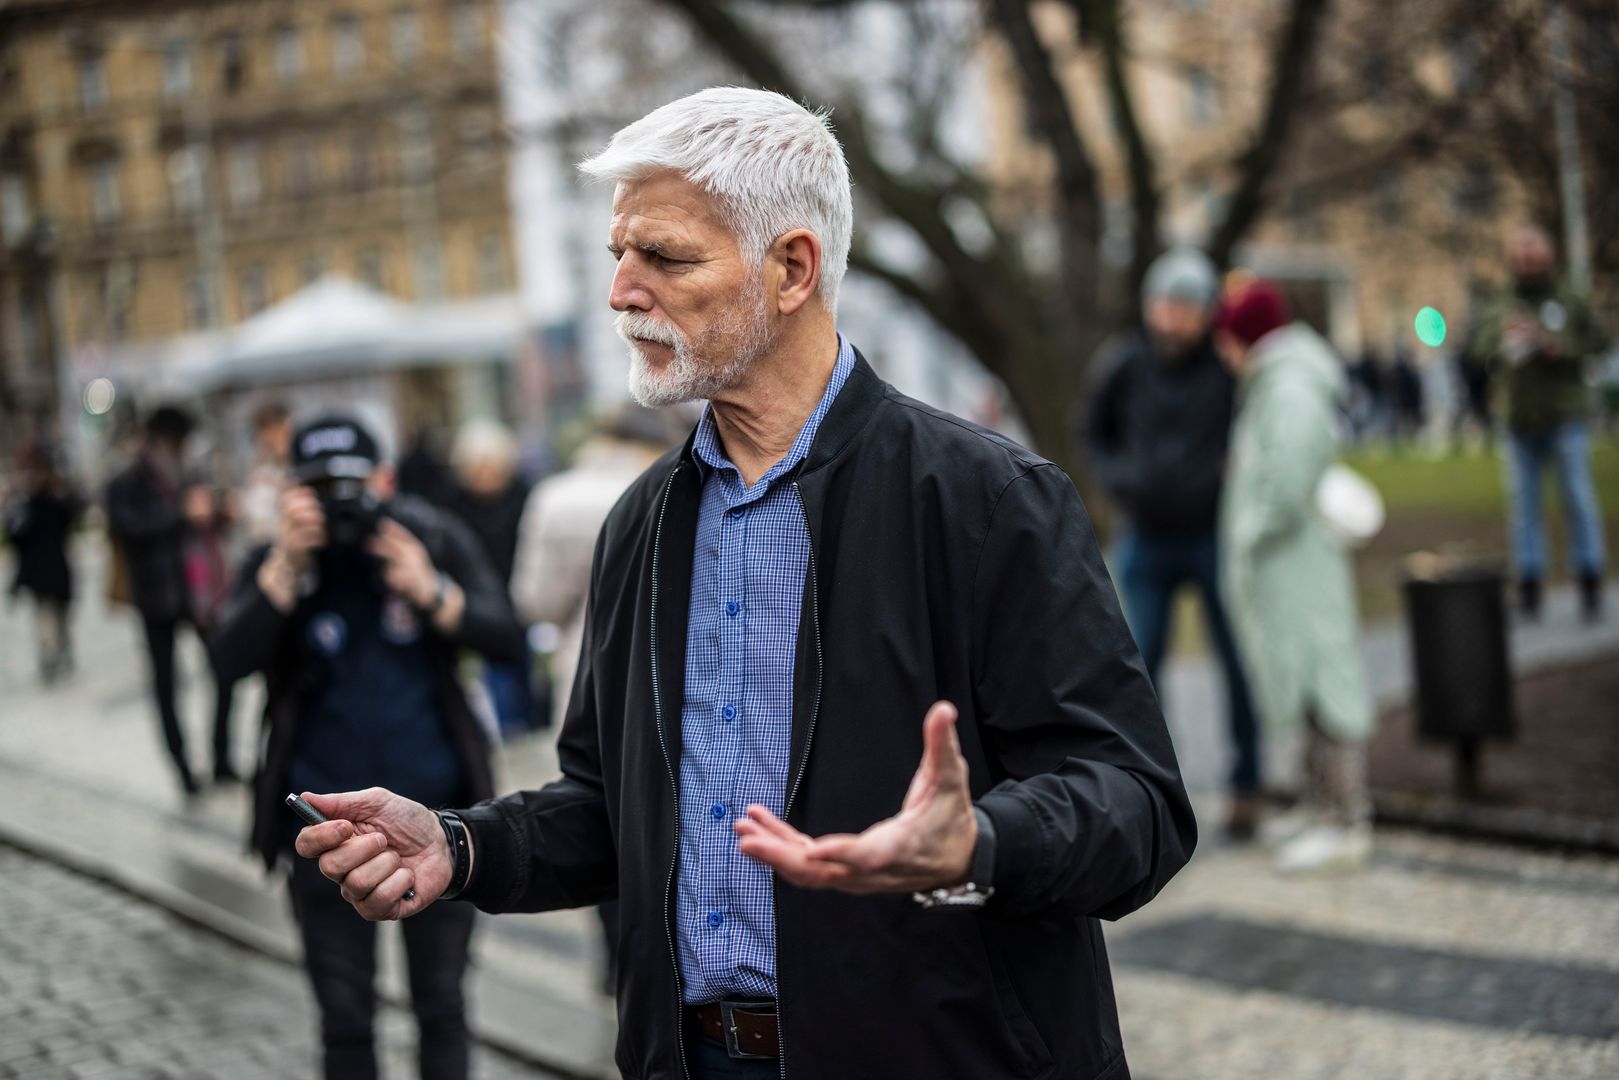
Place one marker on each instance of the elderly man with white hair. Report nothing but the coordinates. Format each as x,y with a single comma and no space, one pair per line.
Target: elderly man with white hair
858,738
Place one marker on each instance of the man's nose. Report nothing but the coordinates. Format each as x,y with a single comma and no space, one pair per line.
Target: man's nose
628,293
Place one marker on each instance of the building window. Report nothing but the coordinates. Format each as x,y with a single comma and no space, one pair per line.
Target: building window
254,292
92,80
491,263
176,68
14,215
348,46
429,272
201,311
362,160
466,30
1464,61
105,205
370,269
301,167
246,185
1474,194
476,132
406,37
185,180
1202,106
289,54
232,63
1389,196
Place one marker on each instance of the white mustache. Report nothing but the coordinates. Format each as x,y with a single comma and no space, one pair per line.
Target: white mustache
635,324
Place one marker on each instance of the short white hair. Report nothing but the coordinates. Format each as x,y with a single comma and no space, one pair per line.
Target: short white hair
771,164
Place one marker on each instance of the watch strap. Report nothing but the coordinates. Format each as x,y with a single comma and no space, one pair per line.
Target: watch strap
455,834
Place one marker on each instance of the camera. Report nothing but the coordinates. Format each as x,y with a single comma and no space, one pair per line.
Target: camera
351,509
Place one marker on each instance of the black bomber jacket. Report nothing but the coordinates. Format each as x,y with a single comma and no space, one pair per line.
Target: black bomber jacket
947,562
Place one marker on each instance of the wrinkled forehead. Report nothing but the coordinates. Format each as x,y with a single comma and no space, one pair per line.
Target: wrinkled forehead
665,204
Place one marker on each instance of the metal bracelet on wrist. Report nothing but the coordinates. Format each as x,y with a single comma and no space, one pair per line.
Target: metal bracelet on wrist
956,896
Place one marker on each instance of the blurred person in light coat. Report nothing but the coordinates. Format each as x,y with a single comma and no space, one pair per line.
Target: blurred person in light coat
564,513
1288,582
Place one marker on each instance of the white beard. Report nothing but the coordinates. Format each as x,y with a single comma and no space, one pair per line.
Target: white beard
699,369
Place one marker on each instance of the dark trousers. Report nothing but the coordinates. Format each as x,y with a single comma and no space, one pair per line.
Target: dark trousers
161,634
710,1060
340,952
1152,567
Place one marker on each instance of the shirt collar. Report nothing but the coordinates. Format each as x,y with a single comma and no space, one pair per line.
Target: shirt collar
708,453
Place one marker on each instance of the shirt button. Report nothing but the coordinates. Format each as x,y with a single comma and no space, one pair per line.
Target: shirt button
728,711
715,918
718,810
732,607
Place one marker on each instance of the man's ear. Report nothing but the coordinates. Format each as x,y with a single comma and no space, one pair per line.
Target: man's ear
798,254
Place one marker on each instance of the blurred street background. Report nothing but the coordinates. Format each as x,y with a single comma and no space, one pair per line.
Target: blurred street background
239,206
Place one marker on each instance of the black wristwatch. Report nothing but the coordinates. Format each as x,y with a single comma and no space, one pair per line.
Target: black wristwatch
455,834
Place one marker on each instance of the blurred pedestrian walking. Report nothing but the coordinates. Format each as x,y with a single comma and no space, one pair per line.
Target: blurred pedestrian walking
356,615
1287,580
1540,337
560,521
211,515
1157,431
151,510
260,499
488,496
39,523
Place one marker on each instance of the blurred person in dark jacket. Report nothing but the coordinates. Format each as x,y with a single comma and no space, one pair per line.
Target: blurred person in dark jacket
356,615
39,524
488,496
151,511
1540,337
1158,430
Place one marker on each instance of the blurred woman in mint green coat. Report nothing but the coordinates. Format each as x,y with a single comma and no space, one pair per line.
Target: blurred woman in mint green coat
1288,581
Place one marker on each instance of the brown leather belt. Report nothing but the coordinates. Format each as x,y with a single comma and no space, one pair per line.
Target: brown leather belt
747,1028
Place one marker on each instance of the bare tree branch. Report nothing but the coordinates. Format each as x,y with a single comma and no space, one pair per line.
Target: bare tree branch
1104,20
1291,61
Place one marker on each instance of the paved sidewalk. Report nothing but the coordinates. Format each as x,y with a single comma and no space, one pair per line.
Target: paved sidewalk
1443,959
94,985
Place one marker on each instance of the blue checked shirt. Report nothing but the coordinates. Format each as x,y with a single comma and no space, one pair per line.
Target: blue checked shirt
747,585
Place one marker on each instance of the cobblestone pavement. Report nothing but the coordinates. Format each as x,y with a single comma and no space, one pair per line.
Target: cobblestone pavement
1443,959
96,984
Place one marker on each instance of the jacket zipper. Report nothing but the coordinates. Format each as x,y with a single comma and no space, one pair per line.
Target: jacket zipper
668,764
809,737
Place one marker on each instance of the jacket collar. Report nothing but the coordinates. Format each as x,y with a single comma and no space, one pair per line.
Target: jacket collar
848,413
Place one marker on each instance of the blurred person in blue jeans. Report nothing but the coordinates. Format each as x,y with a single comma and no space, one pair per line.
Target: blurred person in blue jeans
1538,337
1157,433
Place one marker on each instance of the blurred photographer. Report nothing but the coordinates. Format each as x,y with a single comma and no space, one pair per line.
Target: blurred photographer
356,614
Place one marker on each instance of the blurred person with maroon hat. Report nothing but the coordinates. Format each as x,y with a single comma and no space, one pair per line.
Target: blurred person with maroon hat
1157,431
1287,578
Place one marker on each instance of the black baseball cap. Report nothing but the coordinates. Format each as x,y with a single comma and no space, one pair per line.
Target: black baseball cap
333,447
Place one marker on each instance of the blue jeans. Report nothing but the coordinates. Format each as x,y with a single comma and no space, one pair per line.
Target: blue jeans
511,695
1151,569
1567,448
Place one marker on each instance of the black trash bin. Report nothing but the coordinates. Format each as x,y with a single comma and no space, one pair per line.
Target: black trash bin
1458,621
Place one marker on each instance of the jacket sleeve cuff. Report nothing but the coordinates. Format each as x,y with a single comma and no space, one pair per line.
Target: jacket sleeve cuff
1019,840
499,859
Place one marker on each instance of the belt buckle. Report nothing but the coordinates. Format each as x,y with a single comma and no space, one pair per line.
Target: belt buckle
733,1044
